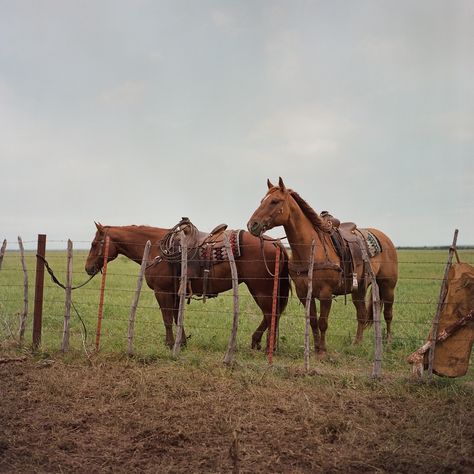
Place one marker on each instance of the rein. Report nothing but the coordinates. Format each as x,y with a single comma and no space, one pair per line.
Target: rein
55,280
275,242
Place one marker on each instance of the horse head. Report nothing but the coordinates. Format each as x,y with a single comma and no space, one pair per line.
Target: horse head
95,259
273,210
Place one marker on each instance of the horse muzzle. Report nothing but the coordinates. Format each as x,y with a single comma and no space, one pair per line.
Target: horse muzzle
256,228
92,270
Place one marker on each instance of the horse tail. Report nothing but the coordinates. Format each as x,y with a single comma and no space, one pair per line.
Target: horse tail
284,281
370,310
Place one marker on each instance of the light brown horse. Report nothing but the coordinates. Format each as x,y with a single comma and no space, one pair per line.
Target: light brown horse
162,278
284,207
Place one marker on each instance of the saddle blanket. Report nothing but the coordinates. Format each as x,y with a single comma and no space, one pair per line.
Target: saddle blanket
216,251
373,244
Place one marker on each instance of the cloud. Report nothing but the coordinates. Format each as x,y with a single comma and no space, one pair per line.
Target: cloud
155,56
303,132
223,20
127,93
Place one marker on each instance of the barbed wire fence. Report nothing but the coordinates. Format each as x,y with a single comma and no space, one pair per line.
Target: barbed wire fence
208,325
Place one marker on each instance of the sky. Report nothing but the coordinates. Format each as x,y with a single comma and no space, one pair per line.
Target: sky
144,111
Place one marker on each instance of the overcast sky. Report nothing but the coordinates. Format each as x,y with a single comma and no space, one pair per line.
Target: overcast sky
143,111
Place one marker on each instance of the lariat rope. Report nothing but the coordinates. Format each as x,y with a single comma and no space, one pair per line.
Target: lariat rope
171,251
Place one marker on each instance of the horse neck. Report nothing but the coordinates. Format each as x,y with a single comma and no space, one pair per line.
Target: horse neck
300,233
130,240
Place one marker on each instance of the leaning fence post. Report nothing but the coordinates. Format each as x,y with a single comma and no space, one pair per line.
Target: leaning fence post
442,296
229,356
39,288
182,293
2,252
136,297
309,298
271,329
67,305
102,290
24,313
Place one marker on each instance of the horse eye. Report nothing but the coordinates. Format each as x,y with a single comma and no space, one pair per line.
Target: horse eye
274,202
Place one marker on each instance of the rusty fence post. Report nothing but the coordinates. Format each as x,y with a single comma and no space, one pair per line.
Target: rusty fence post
39,289
102,291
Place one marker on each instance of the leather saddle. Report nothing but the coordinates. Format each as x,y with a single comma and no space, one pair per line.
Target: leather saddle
347,240
204,249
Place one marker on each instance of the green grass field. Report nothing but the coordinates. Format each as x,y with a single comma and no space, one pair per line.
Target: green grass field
209,324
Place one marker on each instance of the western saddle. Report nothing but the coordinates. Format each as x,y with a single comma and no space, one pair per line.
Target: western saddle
203,251
348,240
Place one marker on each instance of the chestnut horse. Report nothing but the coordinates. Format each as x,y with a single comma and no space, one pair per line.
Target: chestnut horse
284,207
161,275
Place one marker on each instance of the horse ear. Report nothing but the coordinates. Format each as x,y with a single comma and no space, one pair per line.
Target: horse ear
281,184
99,226
269,184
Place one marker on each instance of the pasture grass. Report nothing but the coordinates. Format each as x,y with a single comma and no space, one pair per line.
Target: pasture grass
208,325
108,412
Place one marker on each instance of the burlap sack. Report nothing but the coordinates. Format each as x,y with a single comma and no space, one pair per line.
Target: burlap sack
452,355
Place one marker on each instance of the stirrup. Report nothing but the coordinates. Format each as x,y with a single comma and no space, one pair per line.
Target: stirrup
355,284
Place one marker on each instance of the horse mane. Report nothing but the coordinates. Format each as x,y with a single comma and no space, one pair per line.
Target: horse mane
307,210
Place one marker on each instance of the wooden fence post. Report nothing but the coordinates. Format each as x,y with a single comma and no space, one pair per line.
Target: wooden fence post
309,298
102,291
377,367
229,356
182,293
68,302
442,296
39,289
136,297
24,313
271,329
2,252
377,328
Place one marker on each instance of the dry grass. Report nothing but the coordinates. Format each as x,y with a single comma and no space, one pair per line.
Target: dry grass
122,415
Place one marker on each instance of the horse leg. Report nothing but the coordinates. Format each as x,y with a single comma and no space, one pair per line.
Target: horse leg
387,295
175,317
313,320
362,312
266,305
166,304
258,334
325,308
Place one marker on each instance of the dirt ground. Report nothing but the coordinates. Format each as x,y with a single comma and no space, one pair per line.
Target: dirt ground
169,417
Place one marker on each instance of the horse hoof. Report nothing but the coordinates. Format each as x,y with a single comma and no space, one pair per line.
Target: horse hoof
256,346
321,355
